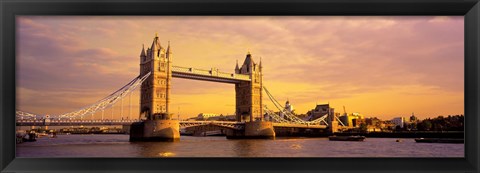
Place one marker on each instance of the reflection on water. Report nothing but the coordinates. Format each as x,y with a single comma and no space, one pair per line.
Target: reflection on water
296,146
118,146
166,154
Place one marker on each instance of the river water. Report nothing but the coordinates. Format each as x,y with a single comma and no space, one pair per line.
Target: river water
189,146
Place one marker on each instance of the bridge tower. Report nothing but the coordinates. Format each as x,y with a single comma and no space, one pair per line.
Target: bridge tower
155,90
155,96
249,93
249,102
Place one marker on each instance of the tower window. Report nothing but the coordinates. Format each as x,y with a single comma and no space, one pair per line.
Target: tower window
162,66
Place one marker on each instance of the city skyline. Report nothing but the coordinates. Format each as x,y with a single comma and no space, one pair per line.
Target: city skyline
65,63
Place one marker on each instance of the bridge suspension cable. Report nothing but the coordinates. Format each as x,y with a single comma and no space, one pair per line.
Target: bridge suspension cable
292,118
108,101
275,117
289,117
24,115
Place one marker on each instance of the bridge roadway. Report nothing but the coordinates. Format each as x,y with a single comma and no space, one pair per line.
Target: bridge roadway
183,124
213,75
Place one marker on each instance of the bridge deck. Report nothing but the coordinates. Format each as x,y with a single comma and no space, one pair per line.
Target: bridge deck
208,75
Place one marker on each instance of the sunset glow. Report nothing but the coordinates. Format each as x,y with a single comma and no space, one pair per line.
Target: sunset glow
381,67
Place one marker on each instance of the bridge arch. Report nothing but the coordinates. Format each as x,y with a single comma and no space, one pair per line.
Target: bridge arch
145,112
204,129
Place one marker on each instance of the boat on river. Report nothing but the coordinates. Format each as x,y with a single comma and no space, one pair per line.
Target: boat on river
20,135
440,140
347,138
43,134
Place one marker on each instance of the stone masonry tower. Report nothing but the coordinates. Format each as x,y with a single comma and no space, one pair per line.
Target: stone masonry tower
249,102
155,96
249,94
155,91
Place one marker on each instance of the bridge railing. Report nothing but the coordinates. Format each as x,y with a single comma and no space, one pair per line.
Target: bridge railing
275,124
212,72
208,122
226,75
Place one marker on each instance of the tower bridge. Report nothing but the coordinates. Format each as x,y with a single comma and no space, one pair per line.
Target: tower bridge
155,121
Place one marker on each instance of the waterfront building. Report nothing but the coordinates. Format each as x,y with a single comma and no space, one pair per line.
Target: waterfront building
375,125
411,123
222,118
374,121
213,117
387,125
319,111
230,117
398,121
205,116
352,120
413,118
288,106
371,128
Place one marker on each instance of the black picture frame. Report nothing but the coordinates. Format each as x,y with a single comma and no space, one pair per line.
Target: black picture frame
11,8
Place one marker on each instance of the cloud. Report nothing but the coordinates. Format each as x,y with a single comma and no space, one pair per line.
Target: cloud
65,60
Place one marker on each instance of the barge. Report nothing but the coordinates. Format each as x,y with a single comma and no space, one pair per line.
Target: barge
439,140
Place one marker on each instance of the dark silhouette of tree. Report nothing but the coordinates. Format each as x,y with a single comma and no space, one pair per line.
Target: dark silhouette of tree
441,123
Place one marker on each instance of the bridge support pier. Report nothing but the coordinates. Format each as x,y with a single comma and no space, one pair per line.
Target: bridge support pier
333,128
155,130
259,129
254,130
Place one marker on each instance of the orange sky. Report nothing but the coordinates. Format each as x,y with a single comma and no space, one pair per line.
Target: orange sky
378,66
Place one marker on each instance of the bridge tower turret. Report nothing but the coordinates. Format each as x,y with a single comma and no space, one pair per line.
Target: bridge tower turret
168,59
237,69
155,96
